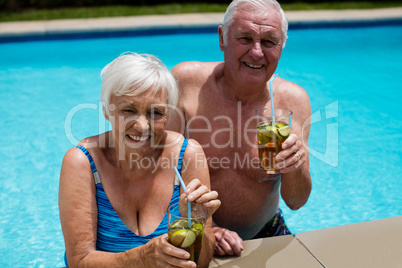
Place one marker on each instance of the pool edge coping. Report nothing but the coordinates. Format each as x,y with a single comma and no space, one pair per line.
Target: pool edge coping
297,19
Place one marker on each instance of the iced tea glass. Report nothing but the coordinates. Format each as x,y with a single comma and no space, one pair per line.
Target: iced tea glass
185,232
272,131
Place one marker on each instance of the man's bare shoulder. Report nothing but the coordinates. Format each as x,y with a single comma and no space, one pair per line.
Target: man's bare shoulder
293,97
292,91
194,72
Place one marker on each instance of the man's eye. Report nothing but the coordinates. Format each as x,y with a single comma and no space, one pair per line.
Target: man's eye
245,40
268,43
129,111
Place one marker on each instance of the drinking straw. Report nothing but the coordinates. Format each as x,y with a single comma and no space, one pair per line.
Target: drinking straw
184,189
271,92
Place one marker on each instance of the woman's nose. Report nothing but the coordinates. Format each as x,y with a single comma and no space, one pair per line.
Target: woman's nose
142,123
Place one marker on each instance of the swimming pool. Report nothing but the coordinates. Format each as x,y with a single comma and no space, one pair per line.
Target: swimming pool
49,92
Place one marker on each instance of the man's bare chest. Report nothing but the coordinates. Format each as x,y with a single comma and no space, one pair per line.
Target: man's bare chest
227,135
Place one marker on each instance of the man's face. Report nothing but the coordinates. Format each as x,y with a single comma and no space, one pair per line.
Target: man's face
254,45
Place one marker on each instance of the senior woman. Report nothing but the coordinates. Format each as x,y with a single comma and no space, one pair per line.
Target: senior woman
115,187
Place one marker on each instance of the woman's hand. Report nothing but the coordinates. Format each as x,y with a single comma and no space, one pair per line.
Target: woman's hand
158,252
201,194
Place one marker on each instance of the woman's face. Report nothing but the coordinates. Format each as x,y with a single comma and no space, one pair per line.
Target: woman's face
138,122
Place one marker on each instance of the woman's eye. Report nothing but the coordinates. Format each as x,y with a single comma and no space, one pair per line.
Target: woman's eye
157,113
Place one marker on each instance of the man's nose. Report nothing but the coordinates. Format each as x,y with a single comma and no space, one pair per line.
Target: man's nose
256,50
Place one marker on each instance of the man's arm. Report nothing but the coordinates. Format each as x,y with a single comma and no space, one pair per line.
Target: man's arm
177,115
296,179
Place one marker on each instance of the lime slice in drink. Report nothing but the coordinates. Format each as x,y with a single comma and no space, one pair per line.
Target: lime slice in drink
178,237
197,228
179,223
264,125
189,239
265,135
279,124
284,131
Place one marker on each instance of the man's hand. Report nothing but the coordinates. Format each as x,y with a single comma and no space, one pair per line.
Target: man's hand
293,155
227,242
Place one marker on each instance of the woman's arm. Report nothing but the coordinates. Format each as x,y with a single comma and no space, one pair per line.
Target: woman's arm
196,175
78,216
77,205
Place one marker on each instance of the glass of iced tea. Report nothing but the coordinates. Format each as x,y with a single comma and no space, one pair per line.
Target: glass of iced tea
272,130
185,232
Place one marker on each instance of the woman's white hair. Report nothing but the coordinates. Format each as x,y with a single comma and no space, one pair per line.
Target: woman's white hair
132,74
260,4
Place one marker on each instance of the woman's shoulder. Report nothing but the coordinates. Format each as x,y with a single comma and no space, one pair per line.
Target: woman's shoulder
75,158
75,166
97,141
176,140
173,139
90,147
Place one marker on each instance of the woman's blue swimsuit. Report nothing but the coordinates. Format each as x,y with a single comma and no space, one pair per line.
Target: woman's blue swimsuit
113,235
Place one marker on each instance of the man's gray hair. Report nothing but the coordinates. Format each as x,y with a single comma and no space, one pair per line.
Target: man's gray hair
260,4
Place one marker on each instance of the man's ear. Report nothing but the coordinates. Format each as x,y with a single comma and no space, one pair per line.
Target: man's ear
220,32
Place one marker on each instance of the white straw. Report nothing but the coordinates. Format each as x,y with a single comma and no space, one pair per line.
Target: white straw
184,189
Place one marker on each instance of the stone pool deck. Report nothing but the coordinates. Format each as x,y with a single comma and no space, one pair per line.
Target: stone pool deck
98,25
371,244
368,244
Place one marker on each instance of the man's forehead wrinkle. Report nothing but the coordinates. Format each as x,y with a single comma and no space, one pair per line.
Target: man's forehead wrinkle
259,29
250,21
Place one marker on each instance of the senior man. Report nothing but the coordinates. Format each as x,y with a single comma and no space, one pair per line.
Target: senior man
218,102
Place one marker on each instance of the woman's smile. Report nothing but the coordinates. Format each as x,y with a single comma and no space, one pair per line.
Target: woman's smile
138,138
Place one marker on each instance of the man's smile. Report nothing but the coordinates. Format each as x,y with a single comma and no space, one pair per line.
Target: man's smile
253,66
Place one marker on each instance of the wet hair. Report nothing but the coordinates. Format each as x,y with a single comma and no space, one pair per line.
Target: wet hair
260,4
133,74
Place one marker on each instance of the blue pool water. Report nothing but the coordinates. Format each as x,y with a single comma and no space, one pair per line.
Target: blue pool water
49,92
